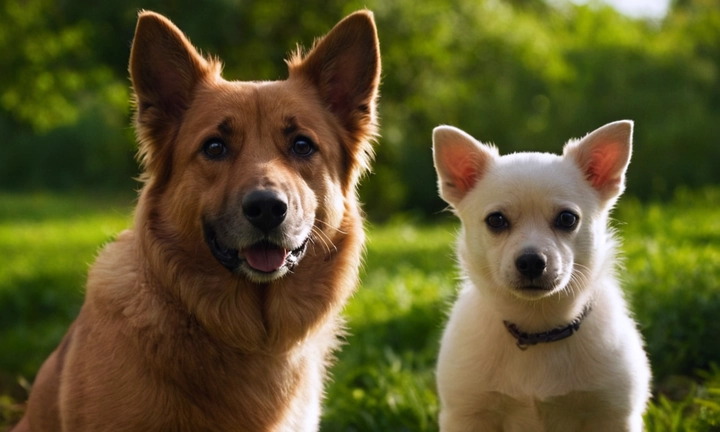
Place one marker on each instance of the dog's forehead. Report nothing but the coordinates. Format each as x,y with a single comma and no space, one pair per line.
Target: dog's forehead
539,181
249,107
252,99
535,171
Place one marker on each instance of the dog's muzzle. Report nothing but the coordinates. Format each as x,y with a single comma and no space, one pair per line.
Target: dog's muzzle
262,261
269,255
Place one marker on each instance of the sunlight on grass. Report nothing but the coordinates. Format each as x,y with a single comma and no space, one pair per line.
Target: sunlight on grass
384,377
47,244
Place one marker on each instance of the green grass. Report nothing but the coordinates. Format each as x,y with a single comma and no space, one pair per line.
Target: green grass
384,377
46,245
673,276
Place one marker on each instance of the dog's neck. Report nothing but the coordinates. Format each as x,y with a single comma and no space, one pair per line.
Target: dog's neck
524,340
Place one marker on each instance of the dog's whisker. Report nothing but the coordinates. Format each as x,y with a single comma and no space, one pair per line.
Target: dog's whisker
315,238
328,239
331,227
311,241
327,243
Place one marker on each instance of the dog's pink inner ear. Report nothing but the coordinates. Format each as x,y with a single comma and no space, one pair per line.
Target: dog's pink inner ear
462,171
602,171
460,162
603,157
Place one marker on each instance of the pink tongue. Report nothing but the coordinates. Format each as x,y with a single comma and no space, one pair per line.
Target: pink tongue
265,258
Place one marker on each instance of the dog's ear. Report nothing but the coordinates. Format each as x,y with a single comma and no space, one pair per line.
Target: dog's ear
603,156
460,162
344,67
164,69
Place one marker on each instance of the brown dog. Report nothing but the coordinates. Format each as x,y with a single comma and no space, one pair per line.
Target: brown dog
219,310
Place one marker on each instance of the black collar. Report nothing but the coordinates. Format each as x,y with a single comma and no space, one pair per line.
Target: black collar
524,340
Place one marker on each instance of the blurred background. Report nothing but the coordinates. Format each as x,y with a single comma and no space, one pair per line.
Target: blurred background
524,75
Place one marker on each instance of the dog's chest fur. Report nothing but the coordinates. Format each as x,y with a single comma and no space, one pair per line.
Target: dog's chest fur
483,372
528,414
212,385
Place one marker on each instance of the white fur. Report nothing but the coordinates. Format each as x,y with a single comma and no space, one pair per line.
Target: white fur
598,378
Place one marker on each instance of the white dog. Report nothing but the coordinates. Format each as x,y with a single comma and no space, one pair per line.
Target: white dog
540,338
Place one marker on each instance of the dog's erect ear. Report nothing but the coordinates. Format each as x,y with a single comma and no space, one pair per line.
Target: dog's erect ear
460,162
164,66
344,67
165,69
603,156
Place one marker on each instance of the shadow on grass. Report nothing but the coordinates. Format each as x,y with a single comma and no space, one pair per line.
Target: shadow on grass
40,207
34,315
384,378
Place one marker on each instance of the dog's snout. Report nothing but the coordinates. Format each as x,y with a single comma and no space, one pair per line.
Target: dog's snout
531,264
265,209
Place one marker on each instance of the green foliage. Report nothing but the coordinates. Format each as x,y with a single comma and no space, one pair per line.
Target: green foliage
525,75
384,377
697,411
531,78
673,268
50,76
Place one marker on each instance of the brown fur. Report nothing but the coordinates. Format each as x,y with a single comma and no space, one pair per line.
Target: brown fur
168,339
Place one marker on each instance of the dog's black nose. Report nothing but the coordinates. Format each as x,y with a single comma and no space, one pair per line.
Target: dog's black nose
531,264
264,208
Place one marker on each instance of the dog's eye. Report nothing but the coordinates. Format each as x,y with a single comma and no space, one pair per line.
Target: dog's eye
303,146
214,148
496,221
566,220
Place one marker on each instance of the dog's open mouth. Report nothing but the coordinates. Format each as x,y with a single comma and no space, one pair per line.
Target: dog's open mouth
264,258
267,257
